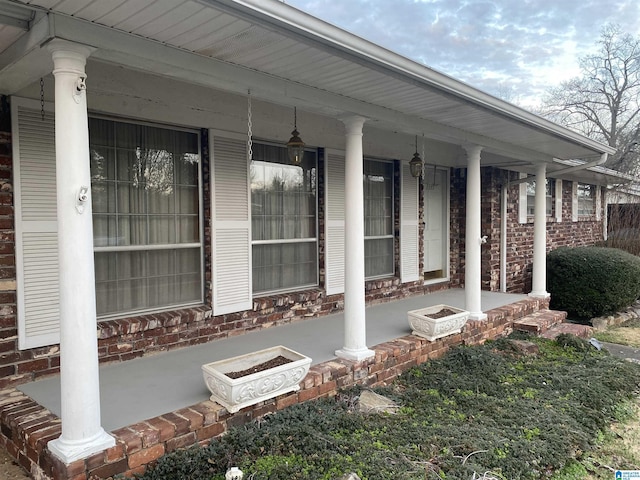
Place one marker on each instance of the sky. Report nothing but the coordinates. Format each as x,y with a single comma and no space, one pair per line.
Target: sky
513,49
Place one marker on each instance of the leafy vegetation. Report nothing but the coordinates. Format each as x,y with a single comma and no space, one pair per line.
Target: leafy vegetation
478,410
589,282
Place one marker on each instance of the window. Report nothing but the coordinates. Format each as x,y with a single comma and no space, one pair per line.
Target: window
378,218
283,220
531,196
586,199
146,216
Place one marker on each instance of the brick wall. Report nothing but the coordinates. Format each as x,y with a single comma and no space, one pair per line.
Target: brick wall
26,427
586,231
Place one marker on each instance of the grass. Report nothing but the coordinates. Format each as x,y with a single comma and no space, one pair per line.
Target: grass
479,412
627,333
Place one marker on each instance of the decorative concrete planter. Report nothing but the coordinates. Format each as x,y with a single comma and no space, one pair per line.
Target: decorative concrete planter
237,393
429,323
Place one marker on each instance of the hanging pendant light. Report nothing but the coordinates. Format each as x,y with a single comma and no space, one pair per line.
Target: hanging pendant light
295,145
415,164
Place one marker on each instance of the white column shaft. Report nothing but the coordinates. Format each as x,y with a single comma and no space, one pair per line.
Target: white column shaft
539,281
355,341
82,433
473,236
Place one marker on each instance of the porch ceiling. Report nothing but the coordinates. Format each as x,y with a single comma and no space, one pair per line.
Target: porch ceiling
284,56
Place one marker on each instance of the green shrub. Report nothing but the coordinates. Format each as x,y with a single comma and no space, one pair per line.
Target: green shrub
589,282
475,410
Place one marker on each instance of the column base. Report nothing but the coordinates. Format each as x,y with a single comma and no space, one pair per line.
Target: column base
477,316
70,451
543,295
355,355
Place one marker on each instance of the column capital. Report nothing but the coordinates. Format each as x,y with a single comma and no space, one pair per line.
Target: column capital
472,149
353,124
69,56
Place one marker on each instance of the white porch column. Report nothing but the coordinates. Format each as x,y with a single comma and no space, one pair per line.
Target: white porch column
82,433
473,237
539,282
355,341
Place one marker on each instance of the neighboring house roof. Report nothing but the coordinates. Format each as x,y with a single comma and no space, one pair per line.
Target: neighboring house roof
281,55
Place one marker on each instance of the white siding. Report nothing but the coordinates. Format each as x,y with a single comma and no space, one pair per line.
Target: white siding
232,290
34,167
409,251
334,221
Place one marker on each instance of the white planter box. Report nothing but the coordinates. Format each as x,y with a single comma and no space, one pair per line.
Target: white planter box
237,393
424,325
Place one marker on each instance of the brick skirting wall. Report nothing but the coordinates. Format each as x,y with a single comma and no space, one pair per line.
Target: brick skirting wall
26,427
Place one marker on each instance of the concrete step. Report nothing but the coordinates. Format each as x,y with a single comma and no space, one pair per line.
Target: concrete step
539,322
582,331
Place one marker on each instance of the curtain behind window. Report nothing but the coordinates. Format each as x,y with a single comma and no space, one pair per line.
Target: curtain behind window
146,216
378,218
283,220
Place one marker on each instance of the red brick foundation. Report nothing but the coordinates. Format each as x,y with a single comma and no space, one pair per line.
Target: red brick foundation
26,427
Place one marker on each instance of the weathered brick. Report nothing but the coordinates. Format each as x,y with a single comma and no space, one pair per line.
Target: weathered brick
210,431
146,455
181,441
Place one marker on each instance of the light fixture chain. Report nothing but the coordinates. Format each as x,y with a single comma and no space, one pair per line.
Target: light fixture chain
249,127
42,98
424,159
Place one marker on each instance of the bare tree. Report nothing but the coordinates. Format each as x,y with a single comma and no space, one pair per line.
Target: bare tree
604,102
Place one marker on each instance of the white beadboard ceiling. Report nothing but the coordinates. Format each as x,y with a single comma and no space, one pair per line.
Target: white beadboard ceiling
334,71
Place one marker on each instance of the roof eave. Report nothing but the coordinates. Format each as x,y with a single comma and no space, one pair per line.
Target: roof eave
282,16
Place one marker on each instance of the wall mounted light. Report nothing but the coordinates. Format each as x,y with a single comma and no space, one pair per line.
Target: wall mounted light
295,145
415,164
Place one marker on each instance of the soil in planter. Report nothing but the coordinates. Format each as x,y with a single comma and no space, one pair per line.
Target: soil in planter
445,312
274,362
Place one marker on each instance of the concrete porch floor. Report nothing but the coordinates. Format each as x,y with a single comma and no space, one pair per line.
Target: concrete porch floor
150,386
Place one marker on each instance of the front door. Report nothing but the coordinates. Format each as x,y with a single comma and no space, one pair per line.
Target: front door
436,218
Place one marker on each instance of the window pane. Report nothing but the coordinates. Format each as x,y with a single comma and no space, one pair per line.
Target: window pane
284,266
145,192
378,218
378,257
283,207
378,198
130,281
549,194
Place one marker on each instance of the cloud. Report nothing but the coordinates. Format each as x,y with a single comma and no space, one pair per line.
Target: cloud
494,45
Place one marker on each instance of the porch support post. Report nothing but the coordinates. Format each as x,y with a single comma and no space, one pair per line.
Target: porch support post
473,236
82,433
539,282
355,341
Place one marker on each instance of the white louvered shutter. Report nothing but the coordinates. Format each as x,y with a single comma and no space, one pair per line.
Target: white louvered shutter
34,168
409,251
232,288
334,207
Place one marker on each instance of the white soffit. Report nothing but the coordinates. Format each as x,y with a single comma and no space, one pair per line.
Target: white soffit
256,35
